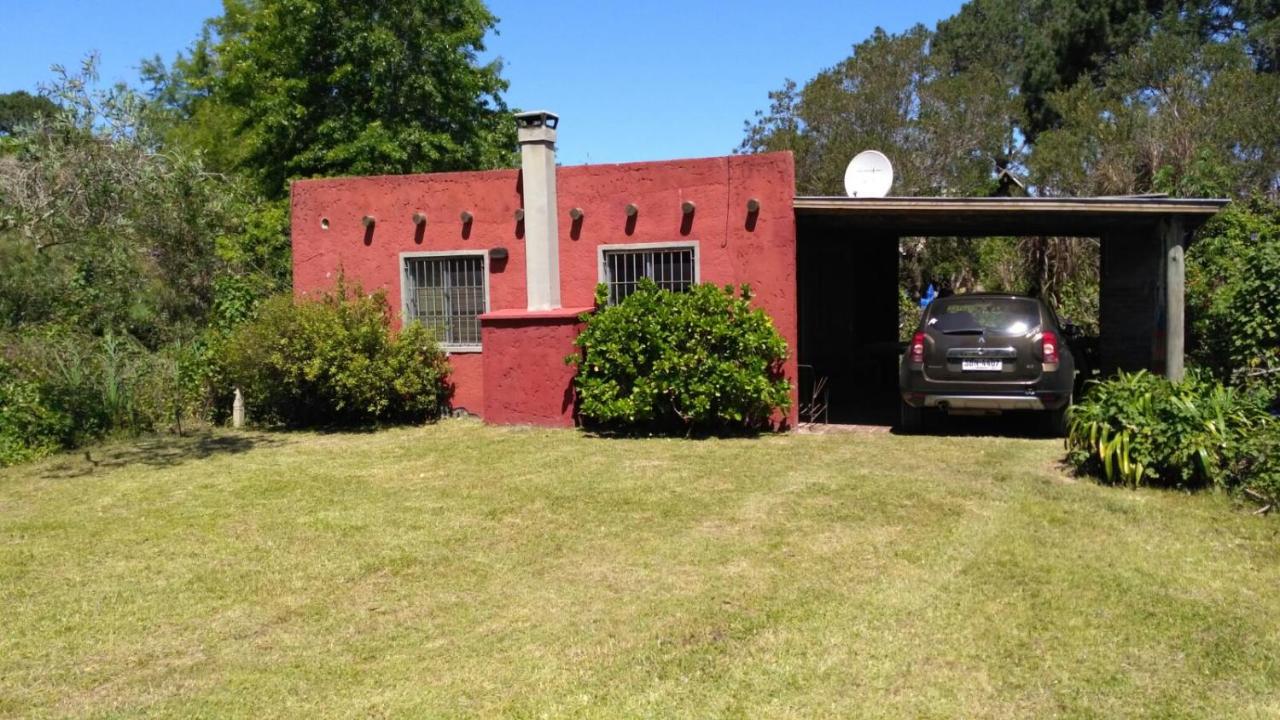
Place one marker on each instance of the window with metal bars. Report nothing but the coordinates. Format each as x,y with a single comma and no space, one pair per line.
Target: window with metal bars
671,268
447,294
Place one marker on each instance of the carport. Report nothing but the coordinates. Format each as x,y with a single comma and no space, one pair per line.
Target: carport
847,274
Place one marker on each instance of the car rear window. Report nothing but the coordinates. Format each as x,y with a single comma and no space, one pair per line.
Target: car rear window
994,316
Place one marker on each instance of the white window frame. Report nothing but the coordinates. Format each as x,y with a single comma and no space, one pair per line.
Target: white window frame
601,250
406,318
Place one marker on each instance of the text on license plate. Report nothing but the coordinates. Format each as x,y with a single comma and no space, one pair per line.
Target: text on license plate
984,365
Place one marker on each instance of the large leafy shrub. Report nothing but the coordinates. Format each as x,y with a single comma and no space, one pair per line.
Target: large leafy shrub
701,360
332,360
1233,281
1142,429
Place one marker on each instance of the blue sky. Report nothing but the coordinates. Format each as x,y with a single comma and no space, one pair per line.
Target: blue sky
643,80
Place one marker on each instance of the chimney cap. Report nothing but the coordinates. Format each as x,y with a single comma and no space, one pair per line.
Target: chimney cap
537,118
537,128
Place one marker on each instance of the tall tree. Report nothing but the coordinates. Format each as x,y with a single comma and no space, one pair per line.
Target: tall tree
1042,46
1172,115
102,231
943,132
1089,96
22,108
310,88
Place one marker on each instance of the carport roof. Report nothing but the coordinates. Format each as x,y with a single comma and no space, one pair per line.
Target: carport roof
978,217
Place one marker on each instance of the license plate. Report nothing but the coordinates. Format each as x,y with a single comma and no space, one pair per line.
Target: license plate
982,365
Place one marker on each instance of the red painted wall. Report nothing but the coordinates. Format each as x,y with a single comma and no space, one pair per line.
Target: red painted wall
526,379
733,247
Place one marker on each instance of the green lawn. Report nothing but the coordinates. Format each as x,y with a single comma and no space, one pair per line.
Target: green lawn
466,570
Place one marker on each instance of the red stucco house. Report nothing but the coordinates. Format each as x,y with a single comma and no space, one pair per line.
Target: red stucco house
502,263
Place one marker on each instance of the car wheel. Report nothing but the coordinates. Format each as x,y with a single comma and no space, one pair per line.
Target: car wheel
911,418
1055,421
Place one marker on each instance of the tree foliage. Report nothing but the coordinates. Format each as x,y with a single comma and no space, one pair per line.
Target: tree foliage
306,88
20,109
1092,96
112,251
1043,47
140,230
103,229
1077,97
891,93
1173,115
1233,280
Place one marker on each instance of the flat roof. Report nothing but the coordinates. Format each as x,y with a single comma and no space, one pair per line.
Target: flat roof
978,217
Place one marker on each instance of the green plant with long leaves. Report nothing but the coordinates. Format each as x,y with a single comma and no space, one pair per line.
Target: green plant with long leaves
1142,429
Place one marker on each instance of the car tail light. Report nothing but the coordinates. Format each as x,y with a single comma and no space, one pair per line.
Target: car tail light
1049,348
916,351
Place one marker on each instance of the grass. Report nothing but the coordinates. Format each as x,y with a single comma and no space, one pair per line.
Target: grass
467,570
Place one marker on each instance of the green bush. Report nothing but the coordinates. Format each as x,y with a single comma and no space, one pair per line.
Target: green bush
65,369
63,387
702,360
1233,279
909,312
1142,429
330,361
29,427
1257,464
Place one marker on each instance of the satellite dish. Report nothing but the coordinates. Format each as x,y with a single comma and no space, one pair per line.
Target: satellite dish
870,174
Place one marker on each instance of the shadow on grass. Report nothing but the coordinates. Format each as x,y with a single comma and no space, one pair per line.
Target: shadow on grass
670,432
159,451
1027,426
622,435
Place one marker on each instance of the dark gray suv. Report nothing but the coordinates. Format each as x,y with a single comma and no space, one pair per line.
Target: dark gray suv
982,354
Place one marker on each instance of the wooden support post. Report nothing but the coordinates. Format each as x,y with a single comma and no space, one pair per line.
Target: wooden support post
1175,280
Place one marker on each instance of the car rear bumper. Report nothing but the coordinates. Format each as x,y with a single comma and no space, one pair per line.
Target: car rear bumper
984,402
987,402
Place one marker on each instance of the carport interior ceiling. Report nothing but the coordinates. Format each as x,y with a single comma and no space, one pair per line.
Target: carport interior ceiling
846,264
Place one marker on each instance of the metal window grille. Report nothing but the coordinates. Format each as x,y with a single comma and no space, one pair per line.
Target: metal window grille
671,268
446,294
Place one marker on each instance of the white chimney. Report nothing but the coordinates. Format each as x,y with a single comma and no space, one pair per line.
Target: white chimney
536,132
